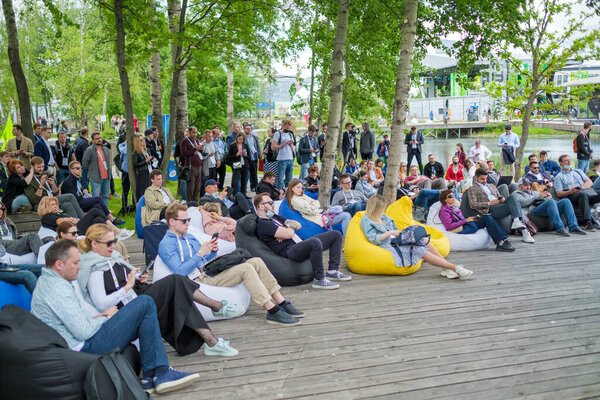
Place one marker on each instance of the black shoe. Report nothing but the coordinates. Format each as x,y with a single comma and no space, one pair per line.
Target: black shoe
282,318
563,232
505,246
118,222
291,310
590,227
577,231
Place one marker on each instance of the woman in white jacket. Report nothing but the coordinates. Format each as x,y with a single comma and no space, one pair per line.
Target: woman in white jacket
311,209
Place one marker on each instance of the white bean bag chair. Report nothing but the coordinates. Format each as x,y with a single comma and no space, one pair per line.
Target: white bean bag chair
458,242
45,232
12,259
196,229
41,259
234,295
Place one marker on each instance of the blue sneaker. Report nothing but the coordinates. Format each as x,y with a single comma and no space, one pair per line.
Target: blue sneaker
148,385
324,284
118,222
229,310
173,380
293,311
221,348
335,275
281,317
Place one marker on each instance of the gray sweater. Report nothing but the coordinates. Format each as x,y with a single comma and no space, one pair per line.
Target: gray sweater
526,199
344,199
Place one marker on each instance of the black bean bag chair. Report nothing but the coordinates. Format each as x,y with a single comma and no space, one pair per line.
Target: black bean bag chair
35,362
287,272
505,223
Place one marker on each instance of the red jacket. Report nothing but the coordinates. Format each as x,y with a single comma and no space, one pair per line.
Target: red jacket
451,176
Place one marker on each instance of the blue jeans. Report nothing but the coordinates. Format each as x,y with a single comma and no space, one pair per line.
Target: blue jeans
20,201
427,197
344,219
487,222
61,175
101,189
356,207
583,165
22,277
553,209
136,320
304,169
285,173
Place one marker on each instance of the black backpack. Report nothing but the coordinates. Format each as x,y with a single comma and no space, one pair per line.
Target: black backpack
111,377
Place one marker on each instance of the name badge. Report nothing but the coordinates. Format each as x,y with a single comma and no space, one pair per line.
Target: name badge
65,161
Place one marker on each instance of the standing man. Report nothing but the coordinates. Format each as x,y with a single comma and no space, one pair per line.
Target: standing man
96,162
584,148
307,151
219,156
191,151
367,142
42,149
79,147
508,143
37,132
155,146
479,152
209,164
283,142
64,155
383,148
413,141
20,147
322,140
255,152
237,128
64,128
349,148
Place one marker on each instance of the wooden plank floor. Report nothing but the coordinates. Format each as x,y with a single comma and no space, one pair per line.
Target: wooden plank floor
526,326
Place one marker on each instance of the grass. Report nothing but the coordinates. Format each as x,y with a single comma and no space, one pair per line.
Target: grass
498,129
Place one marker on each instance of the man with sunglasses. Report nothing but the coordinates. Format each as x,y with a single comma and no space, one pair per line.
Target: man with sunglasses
234,206
540,181
183,254
280,235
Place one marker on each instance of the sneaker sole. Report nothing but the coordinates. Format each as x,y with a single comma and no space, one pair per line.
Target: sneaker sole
326,287
178,384
339,279
505,250
466,277
283,323
220,354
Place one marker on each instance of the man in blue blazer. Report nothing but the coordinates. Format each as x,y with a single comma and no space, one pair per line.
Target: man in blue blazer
42,149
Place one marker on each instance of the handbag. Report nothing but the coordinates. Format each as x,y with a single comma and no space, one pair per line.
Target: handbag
531,227
184,173
261,164
236,165
226,261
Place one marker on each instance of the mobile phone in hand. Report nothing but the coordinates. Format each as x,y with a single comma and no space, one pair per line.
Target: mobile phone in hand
215,236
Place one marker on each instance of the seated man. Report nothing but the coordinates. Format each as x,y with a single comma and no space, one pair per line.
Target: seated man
43,185
311,182
267,185
183,254
231,206
533,158
363,186
551,167
542,203
574,185
539,180
57,301
72,184
424,182
485,199
494,178
280,235
157,198
350,200
433,169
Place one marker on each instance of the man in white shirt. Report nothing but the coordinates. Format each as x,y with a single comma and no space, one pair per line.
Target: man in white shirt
479,152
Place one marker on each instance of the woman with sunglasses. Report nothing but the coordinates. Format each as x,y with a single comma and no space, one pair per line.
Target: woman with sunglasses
9,237
107,280
454,221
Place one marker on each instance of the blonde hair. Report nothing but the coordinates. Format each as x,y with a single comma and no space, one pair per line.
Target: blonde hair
94,233
212,207
376,206
138,143
44,206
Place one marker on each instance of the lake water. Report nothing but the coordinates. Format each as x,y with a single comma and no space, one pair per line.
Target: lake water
443,149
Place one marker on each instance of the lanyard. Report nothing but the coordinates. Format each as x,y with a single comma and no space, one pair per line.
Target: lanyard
112,272
345,198
47,189
181,248
101,156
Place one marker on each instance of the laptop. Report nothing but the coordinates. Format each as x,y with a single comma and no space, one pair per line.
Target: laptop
505,180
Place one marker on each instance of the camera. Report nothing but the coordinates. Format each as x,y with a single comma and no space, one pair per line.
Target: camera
355,130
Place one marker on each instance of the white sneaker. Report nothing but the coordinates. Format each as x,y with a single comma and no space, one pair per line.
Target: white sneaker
448,273
463,273
527,236
126,234
517,224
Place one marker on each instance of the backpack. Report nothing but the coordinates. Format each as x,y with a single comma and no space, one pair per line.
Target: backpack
111,377
575,146
410,236
79,148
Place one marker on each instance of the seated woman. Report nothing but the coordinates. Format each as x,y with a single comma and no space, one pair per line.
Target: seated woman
108,280
454,172
468,174
381,229
214,222
14,195
424,182
9,237
311,209
157,199
51,216
454,221
311,182
374,174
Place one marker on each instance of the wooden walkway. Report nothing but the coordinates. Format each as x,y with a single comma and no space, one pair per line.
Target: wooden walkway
526,326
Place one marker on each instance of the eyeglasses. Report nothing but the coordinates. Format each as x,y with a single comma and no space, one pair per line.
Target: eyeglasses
76,167
184,220
535,168
110,243
346,183
75,234
270,202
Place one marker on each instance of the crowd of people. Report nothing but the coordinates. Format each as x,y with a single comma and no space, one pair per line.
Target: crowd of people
87,290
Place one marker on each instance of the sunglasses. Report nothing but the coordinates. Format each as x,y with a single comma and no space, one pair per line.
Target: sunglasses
110,243
271,202
76,167
2,208
184,220
75,234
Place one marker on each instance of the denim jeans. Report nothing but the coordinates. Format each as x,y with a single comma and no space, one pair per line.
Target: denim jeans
427,197
344,219
583,165
88,203
596,184
101,189
137,319
510,207
22,277
356,207
487,222
20,201
304,169
553,210
285,173
61,175
313,249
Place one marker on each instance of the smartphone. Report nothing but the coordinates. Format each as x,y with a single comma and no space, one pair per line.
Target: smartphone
144,270
215,236
9,269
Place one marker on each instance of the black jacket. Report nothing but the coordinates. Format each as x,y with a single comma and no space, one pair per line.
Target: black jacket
420,139
304,153
207,198
69,185
266,187
429,169
232,155
584,146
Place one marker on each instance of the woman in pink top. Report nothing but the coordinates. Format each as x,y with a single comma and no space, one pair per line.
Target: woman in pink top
214,222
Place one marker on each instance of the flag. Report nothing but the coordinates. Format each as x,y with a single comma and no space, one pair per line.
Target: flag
7,133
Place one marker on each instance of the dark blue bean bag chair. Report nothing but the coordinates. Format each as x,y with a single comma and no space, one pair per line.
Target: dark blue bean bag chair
312,195
309,228
139,229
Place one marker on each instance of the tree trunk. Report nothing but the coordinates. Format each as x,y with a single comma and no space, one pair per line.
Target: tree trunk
230,116
335,102
343,114
409,31
125,89
324,81
311,110
17,69
525,124
156,98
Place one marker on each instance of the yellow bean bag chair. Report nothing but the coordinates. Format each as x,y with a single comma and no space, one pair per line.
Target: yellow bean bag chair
363,257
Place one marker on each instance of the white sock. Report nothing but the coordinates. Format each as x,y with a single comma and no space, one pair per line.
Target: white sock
515,219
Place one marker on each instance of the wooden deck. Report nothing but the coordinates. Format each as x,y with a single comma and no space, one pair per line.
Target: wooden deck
526,326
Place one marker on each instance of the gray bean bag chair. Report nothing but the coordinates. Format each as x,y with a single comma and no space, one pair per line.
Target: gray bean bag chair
35,362
505,223
287,272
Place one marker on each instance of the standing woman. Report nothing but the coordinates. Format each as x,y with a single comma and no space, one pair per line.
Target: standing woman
240,162
14,195
460,153
142,163
270,155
